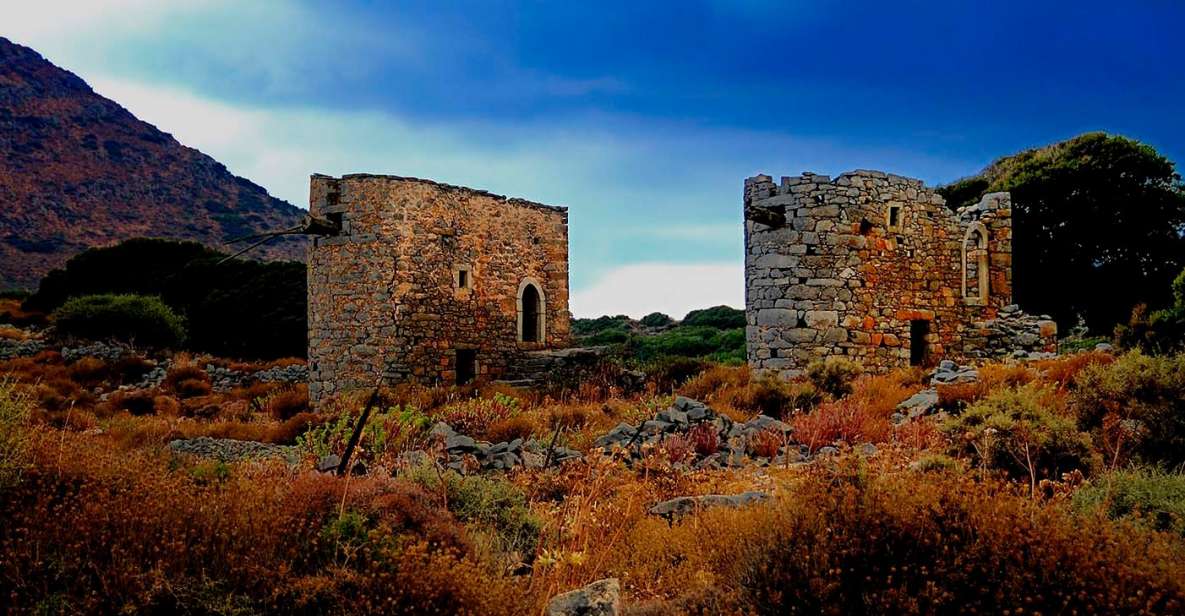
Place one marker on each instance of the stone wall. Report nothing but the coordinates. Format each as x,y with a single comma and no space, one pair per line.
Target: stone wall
871,266
422,270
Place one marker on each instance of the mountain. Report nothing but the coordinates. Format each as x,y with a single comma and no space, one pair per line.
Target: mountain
77,170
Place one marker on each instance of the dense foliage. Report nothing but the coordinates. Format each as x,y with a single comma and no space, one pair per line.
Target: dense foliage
134,319
237,309
1095,212
1157,331
720,317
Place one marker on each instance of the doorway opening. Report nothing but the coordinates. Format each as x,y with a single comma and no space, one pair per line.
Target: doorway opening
531,314
466,366
919,347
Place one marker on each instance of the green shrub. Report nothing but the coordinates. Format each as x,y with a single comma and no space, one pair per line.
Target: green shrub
1139,388
772,396
240,308
127,318
833,375
1159,331
1150,497
14,433
693,341
1015,431
720,317
494,505
582,328
656,319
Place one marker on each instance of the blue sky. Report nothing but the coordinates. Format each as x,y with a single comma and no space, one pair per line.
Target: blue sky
643,117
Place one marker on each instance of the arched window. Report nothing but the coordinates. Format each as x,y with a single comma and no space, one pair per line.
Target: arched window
975,265
532,312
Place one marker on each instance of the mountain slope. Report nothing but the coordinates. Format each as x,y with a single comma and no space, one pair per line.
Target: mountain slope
77,170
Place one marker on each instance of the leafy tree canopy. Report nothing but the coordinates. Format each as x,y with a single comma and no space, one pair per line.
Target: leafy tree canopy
1098,225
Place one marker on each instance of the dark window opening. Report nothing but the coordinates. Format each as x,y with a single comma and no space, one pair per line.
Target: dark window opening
894,216
865,226
466,366
463,279
531,312
337,219
919,347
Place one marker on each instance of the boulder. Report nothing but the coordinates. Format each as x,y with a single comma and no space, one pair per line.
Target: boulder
601,598
684,505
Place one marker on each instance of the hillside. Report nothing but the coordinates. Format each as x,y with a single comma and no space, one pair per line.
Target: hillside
78,170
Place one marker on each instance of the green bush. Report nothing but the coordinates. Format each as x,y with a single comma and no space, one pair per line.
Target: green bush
1159,331
588,327
240,308
1015,431
494,505
690,341
1151,497
657,319
833,375
14,433
1140,388
127,318
720,317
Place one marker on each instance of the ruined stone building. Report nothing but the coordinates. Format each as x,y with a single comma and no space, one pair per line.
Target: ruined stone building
875,267
430,283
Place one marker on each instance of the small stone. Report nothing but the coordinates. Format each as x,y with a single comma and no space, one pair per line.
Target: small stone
329,463
460,442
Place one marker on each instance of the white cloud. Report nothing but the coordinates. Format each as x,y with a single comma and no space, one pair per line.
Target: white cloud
671,288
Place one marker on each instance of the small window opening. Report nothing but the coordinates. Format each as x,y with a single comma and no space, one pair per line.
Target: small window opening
466,368
919,347
865,226
895,217
337,219
463,279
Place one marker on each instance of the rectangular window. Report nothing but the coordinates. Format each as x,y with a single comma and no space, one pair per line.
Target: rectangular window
895,217
462,279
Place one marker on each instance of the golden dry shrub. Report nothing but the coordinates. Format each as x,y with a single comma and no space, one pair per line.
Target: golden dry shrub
517,426
89,371
1062,370
166,406
850,542
187,381
847,420
288,402
106,532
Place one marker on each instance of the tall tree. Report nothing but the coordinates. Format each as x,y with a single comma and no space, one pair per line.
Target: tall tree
1098,226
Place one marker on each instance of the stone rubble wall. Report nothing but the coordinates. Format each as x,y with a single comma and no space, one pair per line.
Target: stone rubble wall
827,272
1012,333
383,296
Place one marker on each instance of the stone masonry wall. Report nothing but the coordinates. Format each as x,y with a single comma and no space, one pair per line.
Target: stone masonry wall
386,294
846,266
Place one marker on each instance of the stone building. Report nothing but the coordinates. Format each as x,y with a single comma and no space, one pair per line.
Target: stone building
875,267
430,283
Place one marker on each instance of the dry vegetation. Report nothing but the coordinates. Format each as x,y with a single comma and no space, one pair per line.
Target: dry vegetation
946,516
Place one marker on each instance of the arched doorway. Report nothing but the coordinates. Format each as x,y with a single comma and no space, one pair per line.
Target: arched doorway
531,312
